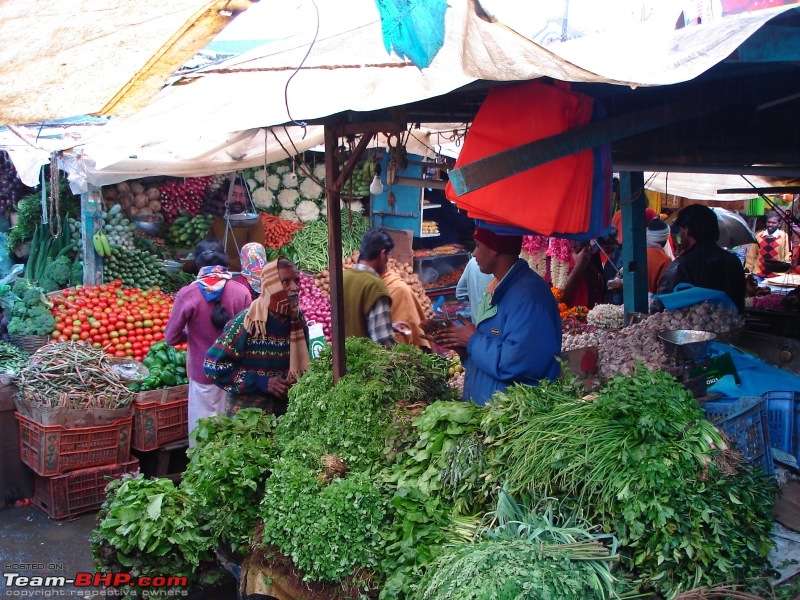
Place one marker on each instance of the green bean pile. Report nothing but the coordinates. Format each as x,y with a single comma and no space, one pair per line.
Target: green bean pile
309,247
12,358
72,375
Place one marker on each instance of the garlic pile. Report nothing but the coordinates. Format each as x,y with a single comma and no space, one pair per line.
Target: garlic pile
606,316
619,351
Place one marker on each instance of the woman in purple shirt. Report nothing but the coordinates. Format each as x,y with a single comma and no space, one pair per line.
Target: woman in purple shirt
200,311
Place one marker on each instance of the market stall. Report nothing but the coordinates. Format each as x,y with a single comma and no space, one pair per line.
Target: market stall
425,468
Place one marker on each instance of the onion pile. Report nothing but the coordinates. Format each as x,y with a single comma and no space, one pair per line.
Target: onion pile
619,351
315,291
315,304
768,302
573,326
186,195
215,196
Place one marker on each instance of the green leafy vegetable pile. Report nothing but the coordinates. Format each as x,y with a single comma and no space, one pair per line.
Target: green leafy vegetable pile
535,554
149,527
643,462
227,471
330,531
337,530
350,420
447,457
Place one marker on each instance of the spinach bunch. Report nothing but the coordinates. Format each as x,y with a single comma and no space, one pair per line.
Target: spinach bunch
149,527
414,538
227,471
447,458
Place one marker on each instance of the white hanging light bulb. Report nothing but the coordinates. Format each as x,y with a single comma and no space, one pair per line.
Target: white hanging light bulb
291,178
376,187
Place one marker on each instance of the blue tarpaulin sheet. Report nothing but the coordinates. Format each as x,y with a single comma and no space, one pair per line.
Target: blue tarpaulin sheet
757,377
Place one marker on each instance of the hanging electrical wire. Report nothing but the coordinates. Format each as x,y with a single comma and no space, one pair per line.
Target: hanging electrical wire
297,70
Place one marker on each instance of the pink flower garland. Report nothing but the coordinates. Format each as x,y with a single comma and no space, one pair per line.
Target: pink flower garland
560,252
534,249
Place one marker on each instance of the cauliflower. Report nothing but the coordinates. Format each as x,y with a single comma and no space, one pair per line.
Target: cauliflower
252,184
289,180
289,215
273,182
307,211
355,205
310,189
319,172
282,169
263,198
288,198
260,175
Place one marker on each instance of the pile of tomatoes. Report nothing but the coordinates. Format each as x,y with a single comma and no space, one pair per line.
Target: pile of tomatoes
122,321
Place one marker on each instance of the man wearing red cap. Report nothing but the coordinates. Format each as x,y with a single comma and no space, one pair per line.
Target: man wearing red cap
517,334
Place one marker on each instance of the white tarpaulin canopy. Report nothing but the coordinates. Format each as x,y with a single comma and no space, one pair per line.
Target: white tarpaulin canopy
62,59
704,186
213,120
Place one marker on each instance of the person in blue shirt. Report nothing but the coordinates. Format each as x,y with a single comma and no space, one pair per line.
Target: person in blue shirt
471,286
517,334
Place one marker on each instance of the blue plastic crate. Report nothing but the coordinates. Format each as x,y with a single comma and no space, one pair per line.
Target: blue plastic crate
783,410
744,421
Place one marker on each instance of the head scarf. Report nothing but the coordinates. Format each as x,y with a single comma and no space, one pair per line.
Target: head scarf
273,299
211,281
253,258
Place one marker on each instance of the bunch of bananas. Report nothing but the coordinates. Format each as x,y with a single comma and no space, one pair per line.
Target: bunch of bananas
101,244
358,184
369,169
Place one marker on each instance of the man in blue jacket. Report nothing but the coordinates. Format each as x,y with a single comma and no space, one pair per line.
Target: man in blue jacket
517,334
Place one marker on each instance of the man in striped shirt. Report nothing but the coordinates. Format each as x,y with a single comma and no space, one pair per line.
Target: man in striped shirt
367,303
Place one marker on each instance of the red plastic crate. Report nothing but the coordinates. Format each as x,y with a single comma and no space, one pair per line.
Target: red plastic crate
158,423
53,449
76,492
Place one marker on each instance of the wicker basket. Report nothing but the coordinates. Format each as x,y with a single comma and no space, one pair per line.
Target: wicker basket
29,343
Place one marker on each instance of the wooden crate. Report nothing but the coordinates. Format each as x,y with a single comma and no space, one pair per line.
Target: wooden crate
160,417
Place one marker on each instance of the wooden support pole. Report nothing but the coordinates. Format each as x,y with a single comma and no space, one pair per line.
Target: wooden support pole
333,202
336,174
634,248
